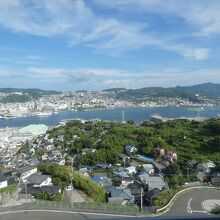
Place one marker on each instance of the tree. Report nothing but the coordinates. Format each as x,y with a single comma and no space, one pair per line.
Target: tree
43,195
58,197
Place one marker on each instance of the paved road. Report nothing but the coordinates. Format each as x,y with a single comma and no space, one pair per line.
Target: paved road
189,203
52,215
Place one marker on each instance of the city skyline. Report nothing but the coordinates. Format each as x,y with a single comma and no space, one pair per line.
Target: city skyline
99,44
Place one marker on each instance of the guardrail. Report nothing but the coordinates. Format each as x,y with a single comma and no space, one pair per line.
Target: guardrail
170,203
104,207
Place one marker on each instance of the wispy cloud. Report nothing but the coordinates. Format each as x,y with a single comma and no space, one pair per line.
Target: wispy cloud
107,78
34,57
202,14
78,23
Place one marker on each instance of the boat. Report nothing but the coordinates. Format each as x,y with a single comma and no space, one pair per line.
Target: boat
44,113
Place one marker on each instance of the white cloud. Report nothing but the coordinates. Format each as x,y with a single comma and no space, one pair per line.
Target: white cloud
79,24
90,78
79,74
193,53
203,14
108,78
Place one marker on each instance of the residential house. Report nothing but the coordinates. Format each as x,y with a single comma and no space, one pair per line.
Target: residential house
203,177
125,181
130,150
51,190
215,181
84,171
142,177
124,158
120,195
159,151
25,172
134,163
6,181
170,156
3,182
152,181
33,161
103,181
148,168
203,167
204,170
149,195
38,180
130,170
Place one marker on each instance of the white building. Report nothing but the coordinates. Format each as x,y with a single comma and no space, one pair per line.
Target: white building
130,170
38,180
25,172
3,182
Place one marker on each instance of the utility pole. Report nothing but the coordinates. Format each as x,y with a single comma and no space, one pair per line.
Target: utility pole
187,172
141,198
71,179
25,184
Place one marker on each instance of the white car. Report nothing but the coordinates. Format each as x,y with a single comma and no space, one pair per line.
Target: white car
68,188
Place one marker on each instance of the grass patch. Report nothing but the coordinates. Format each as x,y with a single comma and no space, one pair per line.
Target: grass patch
165,196
9,189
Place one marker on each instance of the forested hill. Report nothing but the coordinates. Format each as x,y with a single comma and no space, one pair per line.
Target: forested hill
26,94
208,90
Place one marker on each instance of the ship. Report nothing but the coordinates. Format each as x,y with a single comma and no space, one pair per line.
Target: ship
44,114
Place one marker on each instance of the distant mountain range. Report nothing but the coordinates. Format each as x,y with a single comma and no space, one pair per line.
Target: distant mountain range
208,90
27,94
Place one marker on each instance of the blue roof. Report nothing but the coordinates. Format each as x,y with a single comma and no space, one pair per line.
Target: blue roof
141,157
102,181
129,147
97,179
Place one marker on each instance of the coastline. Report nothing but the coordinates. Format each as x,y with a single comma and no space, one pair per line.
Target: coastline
88,109
137,114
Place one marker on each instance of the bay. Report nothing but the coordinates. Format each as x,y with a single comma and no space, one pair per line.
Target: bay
114,114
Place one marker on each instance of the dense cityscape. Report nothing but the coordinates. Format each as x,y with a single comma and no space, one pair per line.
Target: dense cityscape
73,101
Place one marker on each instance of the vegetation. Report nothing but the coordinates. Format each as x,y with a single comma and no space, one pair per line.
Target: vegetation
216,211
46,196
27,94
23,148
15,98
61,176
9,189
209,90
164,197
191,140
91,108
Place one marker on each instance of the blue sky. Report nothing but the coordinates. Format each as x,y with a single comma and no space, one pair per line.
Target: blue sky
97,44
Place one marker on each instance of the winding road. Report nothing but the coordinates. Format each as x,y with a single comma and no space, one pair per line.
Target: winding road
188,204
